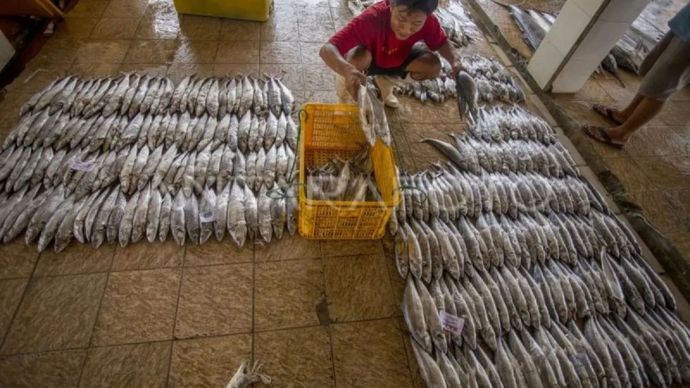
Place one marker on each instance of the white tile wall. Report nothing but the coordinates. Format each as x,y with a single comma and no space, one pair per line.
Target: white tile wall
623,10
544,63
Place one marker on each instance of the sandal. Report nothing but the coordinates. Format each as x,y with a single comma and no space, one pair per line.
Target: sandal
606,112
599,134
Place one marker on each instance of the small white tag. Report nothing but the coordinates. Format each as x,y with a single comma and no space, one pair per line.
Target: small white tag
451,323
79,165
208,216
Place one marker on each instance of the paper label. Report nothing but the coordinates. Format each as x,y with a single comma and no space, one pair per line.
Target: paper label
80,165
451,323
208,216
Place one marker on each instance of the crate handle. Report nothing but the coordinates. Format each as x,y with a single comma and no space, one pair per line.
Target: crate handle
302,114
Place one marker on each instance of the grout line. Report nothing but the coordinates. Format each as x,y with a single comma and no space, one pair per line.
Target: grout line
21,300
330,323
177,310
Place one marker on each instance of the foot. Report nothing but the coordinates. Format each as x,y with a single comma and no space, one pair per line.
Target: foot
604,136
610,114
386,85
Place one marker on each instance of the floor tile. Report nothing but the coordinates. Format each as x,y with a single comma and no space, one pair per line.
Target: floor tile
238,52
234,69
290,74
675,113
154,69
667,172
11,292
314,15
102,51
396,281
318,77
52,369
76,258
95,69
321,32
199,27
350,248
58,51
385,364
279,30
56,313
296,357
145,255
138,306
178,71
17,260
160,26
151,51
196,51
683,307
215,300
37,77
75,27
661,210
141,365
280,52
131,8
115,28
289,247
215,252
239,30
208,362
657,141
629,173
370,299
92,9
310,52
287,294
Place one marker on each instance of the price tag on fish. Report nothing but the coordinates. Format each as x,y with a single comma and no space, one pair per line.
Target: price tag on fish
451,323
79,165
209,216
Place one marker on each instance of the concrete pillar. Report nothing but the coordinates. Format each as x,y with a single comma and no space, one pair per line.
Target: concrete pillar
583,34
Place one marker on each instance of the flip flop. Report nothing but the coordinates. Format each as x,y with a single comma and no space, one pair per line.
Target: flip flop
605,112
599,134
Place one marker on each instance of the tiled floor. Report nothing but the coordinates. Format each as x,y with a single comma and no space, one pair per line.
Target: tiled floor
653,167
159,315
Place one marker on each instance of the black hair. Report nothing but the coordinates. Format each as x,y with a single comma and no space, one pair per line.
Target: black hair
426,6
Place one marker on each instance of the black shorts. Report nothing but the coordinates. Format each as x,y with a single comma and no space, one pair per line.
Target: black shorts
400,71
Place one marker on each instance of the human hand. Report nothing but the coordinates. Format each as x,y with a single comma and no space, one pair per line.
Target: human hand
353,79
456,67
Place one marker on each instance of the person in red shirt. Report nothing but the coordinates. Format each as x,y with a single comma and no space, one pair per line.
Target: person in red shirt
384,41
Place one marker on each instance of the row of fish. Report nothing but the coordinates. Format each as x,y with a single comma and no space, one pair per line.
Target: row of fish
458,26
132,94
58,130
343,180
109,214
519,275
490,80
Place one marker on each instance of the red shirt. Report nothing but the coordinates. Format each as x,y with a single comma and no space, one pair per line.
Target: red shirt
372,29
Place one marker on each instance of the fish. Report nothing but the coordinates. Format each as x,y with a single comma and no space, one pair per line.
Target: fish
466,94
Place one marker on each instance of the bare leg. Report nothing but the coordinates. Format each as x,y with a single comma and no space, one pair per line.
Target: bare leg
426,66
623,114
359,57
644,111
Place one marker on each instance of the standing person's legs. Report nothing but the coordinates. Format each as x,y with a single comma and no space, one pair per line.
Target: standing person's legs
619,116
666,70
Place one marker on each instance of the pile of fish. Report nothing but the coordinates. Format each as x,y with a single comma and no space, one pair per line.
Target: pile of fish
459,27
119,158
344,180
628,53
519,275
493,82
372,116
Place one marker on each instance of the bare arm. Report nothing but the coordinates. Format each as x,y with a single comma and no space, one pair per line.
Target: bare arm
330,54
353,77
